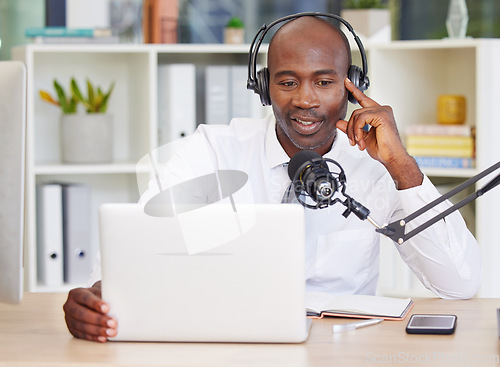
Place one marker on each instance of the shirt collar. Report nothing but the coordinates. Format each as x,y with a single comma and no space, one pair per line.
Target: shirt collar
276,155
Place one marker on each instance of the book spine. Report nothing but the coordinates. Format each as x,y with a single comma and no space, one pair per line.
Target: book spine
443,130
444,162
76,40
440,141
440,151
66,32
55,13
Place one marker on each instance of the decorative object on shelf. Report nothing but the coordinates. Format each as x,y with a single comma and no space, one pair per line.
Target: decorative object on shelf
457,19
160,21
126,20
451,109
371,19
85,137
235,31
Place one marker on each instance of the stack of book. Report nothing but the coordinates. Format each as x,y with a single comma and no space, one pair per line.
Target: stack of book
64,35
441,146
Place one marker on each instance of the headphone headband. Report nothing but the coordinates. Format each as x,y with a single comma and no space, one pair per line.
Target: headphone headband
252,81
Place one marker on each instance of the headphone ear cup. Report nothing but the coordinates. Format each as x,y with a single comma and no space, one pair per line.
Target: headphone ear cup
263,86
355,76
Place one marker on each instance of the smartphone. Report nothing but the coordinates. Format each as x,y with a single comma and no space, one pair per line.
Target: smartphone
431,324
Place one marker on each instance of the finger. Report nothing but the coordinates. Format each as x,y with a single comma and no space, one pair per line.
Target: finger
363,99
92,332
85,323
343,126
84,306
90,298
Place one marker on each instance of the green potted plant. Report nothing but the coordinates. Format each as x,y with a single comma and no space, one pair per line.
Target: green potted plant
363,4
86,136
371,19
234,32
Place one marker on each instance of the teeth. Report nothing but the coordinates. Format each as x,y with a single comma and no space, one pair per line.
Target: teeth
305,122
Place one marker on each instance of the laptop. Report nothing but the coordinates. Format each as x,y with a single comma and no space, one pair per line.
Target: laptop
215,274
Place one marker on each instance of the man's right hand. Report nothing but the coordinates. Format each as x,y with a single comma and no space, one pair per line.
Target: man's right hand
86,314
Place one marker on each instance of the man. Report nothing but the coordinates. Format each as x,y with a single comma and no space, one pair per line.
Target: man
308,60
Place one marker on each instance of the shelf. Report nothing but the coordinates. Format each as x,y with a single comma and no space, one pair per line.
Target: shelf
450,172
406,75
99,169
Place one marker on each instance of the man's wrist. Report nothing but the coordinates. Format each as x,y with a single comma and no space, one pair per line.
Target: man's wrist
405,172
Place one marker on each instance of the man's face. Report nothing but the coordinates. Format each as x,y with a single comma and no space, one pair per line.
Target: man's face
306,84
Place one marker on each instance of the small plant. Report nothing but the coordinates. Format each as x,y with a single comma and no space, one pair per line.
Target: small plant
235,22
363,4
95,102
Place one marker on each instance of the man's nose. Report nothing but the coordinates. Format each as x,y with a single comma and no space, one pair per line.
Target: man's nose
305,97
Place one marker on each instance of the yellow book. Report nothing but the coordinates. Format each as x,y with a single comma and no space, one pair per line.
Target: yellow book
440,151
440,141
440,146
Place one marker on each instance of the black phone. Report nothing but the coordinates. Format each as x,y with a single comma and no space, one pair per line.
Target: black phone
431,324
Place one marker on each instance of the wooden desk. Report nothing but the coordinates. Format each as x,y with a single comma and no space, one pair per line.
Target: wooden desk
33,333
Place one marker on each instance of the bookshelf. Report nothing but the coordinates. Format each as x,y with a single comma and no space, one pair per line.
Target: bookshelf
134,106
407,75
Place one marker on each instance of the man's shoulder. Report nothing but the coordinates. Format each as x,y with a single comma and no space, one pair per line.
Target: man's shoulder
239,128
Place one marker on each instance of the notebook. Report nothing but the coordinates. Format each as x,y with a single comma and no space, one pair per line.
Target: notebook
208,275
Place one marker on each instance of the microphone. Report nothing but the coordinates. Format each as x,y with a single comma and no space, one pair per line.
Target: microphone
309,172
311,176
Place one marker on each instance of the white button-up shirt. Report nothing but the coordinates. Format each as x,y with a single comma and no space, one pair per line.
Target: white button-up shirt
342,254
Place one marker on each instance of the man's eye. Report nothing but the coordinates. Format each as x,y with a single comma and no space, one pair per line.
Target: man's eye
288,84
324,83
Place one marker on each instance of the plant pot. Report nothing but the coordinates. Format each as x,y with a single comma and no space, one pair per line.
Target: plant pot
234,35
371,25
87,138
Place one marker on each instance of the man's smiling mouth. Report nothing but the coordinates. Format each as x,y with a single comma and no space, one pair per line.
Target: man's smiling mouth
307,123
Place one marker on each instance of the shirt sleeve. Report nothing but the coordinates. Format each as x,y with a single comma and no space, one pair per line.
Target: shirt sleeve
445,256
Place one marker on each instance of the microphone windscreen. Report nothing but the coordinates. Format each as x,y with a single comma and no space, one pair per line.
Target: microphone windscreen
299,161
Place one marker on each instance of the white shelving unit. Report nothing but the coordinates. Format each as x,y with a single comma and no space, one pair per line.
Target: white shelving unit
407,75
134,106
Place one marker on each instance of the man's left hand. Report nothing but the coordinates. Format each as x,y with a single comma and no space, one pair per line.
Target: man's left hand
381,140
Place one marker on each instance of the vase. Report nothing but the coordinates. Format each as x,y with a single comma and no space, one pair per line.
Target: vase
87,138
457,19
234,35
370,25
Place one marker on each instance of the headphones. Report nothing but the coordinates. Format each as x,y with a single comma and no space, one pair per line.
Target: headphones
259,81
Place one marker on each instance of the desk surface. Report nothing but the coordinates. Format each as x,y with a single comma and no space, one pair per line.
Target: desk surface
33,333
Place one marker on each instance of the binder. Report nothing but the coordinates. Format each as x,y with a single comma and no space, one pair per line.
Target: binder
217,97
244,102
227,96
76,233
49,234
176,101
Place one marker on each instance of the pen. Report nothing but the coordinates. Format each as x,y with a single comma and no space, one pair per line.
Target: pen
355,325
